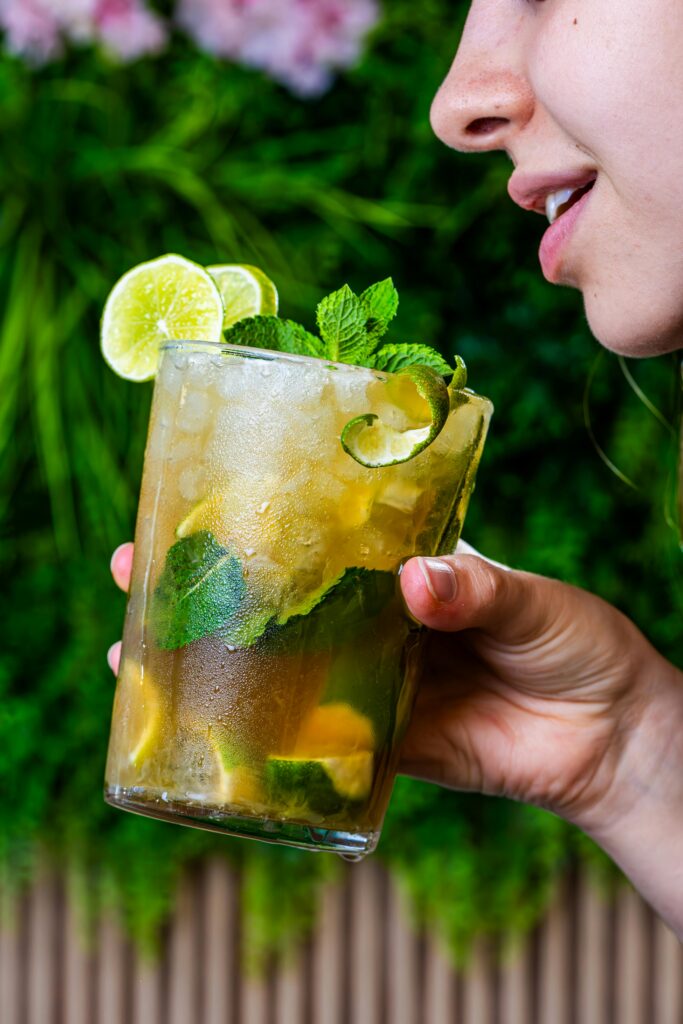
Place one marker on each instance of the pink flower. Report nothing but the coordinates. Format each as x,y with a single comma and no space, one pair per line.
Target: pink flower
37,29
298,42
128,29
31,30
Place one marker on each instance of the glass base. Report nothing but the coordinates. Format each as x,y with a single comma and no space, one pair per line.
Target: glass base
350,845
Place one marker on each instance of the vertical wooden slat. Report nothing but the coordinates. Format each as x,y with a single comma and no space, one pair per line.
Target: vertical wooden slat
220,956
515,981
328,958
478,996
182,958
593,952
366,954
111,974
631,958
439,986
146,983
9,960
668,980
78,964
41,977
290,992
46,976
255,1000
554,996
402,965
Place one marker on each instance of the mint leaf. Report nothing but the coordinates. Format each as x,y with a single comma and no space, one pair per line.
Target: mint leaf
336,613
341,613
274,333
380,304
395,357
200,589
341,322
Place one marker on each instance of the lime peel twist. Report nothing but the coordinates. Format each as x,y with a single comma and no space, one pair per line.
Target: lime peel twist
374,443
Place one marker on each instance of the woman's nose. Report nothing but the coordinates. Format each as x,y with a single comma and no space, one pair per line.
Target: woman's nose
481,105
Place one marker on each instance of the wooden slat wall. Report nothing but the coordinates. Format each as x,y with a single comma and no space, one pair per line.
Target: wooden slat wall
590,962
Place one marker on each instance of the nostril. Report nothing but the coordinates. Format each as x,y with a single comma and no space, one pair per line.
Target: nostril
485,125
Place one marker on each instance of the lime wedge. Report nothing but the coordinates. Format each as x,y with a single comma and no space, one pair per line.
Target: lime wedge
322,785
334,730
167,298
196,764
206,514
420,393
137,717
245,291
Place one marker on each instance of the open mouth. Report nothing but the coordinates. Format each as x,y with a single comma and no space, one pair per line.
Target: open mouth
559,202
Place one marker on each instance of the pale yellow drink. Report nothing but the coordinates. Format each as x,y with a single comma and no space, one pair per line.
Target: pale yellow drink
268,666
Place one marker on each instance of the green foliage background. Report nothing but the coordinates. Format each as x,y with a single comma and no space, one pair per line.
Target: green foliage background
104,167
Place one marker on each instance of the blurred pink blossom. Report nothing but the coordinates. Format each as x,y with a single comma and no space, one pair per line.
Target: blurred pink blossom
38,29
129,29
300,43
31,30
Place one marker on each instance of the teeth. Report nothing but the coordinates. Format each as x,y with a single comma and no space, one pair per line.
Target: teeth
555,200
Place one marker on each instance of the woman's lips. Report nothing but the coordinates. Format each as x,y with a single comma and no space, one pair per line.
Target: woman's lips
557,237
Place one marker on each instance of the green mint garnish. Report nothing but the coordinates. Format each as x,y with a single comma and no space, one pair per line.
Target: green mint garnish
200,589
393,358
336,612
271,332
351,327
380,305
341,322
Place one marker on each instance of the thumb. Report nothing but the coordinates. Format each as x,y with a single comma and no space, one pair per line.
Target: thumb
466,591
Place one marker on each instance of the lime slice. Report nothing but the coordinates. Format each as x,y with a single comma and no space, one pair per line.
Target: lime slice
334,730
196,764
167,298
136,728
245,291
206,514
420,393
323,785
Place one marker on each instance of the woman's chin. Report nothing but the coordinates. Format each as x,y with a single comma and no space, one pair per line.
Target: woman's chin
629,329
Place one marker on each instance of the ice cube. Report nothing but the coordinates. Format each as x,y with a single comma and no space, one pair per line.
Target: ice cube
350,391
229,379
193,412
401,494
183,448
192,482
198,370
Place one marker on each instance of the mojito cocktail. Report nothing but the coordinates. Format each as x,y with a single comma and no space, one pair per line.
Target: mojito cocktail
269,666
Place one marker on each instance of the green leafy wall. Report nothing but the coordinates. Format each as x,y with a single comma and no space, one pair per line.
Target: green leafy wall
103,167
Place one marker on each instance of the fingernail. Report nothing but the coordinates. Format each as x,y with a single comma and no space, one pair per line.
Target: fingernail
110,657
115,556
440,578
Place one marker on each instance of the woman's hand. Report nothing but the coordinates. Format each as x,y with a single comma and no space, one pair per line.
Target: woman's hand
121,568
539,691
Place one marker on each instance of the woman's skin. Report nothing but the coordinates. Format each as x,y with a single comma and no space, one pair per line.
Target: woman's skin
534,689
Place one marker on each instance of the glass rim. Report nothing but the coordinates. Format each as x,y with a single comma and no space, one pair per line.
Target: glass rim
271,355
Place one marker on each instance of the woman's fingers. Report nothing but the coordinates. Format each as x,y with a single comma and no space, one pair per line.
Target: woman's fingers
121,568
465,591
122,565
114,657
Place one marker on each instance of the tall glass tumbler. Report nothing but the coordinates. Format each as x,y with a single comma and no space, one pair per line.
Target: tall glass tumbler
269,667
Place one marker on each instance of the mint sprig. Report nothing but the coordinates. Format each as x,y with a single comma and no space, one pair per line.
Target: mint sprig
201,587
351,328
